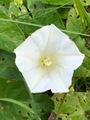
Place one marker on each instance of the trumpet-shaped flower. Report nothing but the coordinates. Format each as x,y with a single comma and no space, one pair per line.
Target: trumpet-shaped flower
47,60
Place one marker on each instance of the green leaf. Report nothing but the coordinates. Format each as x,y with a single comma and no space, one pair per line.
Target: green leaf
75,106
8,69
10,34
17,90
39,14
33,4
85,18
56,2
5,3
85,2
81,45
80,42
48,18
16,11
3,9
45,14
18,2
81,13
21,14
41,101
63,12
84,70
73,23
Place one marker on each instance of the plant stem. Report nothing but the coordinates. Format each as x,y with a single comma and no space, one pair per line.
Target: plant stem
15,21
31,24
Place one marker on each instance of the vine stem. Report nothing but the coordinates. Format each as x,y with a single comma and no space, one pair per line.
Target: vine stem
36,25
15,21
60,106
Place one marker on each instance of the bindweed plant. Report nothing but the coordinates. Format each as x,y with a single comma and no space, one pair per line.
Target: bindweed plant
44,60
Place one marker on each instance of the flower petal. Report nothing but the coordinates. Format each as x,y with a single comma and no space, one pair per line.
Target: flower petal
40,37
56,39
24,64
71,62
28,49
68,48
66,76
60,43
61,79
33,77
43,85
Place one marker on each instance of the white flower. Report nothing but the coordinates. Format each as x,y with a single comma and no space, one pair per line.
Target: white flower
47,60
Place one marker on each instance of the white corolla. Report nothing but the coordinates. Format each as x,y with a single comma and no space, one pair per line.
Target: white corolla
47,60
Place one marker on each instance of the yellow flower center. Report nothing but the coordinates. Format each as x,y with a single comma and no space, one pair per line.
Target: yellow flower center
47,62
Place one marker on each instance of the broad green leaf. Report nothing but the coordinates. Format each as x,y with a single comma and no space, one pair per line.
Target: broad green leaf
45,104
45,14
5,3
73,23
17,90
80,42
10,34
56,2
84,70
81,45
36,5
75,106
8,69
14,89
39,14
27,29
33,4
44,17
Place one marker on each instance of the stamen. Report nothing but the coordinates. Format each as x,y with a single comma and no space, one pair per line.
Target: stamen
47,62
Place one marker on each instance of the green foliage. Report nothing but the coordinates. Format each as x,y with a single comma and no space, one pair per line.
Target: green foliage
85,18
55,2
73,23
19,19
5,2
8,69
18,2
84,70
75,106
9,38
17,90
